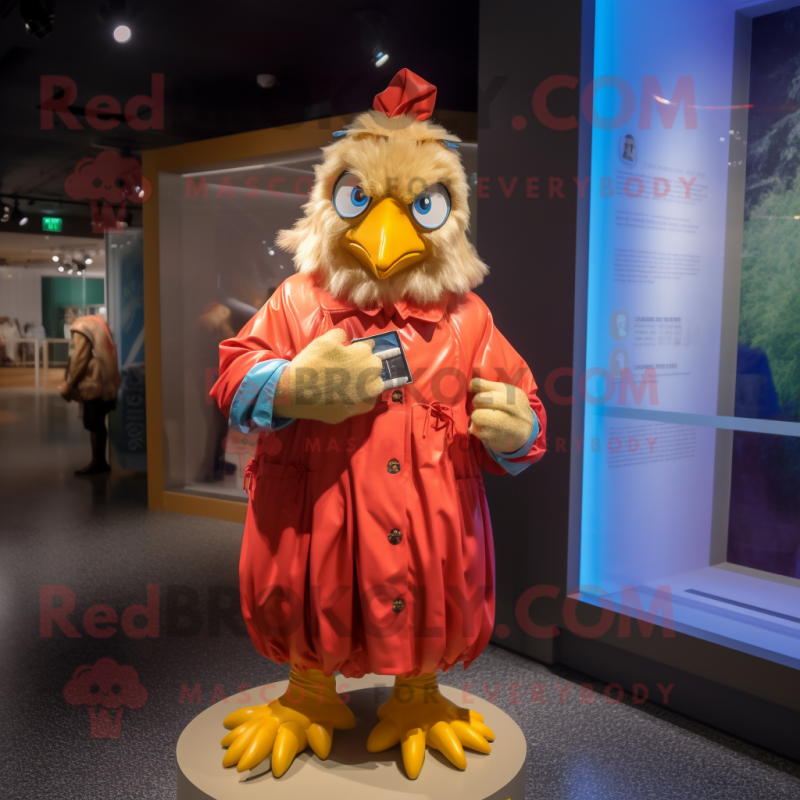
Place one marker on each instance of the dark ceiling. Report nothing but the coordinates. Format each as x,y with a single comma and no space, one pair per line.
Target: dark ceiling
210,54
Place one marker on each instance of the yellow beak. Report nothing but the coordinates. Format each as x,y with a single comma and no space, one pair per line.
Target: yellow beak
385,241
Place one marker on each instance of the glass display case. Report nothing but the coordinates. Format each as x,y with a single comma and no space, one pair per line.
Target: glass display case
219,265
125,296
690,408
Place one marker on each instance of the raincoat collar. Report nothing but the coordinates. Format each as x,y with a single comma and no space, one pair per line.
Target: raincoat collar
429,313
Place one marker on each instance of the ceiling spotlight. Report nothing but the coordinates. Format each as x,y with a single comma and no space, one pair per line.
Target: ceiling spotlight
380,58
69,271
271,251
87,260
122,34
38,16
6,214
17,216
60,267
55,258
80,272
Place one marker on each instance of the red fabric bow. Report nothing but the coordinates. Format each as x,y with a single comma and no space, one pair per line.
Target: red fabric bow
407,94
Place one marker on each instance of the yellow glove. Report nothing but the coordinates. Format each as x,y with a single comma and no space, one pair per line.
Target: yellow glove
502,417
329,381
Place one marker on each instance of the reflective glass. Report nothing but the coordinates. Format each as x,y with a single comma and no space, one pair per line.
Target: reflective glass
691,448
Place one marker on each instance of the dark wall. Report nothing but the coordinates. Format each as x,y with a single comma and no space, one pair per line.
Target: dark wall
529,244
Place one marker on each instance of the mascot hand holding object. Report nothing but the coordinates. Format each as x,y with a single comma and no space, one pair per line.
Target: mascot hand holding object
368,546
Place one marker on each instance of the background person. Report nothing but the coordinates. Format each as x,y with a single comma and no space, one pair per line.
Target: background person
9,333
93,379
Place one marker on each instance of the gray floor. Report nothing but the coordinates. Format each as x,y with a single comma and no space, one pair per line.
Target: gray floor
97,538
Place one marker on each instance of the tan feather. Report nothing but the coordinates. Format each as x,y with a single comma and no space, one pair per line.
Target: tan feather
396,157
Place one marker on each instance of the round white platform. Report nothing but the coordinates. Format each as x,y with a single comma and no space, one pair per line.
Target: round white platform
350,772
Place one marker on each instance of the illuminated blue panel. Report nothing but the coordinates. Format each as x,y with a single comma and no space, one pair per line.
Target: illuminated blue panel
661,144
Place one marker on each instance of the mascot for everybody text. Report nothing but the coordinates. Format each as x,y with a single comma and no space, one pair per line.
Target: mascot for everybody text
368,546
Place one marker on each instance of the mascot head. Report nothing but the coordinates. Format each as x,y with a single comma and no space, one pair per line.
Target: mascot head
387,219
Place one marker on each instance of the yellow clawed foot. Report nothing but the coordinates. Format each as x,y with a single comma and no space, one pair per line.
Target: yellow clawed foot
305,715
418,714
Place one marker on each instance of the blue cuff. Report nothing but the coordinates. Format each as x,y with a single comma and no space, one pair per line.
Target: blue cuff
503,458
252,405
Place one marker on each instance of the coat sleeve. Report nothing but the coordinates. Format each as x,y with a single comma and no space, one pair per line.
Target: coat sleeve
496,360
277,331
80,358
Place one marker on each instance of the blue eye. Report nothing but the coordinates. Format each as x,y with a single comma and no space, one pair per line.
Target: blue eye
423,204
358,198
349,198
431,208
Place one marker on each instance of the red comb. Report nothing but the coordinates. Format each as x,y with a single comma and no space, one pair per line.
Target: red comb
407,94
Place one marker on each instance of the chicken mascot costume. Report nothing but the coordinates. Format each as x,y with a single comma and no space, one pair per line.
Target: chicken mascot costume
368,546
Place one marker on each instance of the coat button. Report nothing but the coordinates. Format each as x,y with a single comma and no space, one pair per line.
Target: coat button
393,467
397,396
395,537
398,605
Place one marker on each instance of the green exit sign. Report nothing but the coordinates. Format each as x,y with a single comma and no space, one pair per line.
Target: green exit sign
52,224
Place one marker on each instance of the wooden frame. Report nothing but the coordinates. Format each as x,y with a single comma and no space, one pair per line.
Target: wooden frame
268,142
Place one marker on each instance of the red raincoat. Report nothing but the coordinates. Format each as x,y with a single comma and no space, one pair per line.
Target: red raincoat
368,546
